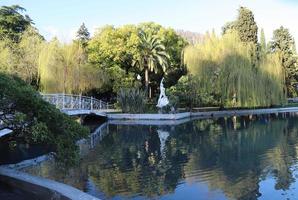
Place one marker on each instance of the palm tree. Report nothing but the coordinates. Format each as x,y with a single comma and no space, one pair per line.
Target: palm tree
153,57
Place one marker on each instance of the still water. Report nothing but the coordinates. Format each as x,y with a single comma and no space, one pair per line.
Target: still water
226,158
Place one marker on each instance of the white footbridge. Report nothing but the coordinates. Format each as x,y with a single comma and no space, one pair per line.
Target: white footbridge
73,105
78,104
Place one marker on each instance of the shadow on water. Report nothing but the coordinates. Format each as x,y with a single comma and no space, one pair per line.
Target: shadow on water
8,193
15,154
246,157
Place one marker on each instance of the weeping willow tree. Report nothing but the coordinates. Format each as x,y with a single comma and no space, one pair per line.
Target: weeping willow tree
21,58
50,67
5,55
223,67
63,68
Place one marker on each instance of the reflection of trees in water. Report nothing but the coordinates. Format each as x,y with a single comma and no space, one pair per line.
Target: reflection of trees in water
283,156
234,159
237,159
129,160
132,163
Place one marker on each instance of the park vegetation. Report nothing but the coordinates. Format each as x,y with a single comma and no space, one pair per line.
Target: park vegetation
35,121
224,70
125,64
234,69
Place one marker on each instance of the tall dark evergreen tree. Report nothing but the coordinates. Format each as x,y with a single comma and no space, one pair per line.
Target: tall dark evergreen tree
284,43
12,22
263,44
248,32
83,35
246,26
247,29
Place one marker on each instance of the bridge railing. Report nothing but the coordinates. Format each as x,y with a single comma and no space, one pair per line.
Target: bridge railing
75,102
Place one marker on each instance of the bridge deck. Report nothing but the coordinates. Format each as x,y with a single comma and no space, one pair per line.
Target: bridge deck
102,112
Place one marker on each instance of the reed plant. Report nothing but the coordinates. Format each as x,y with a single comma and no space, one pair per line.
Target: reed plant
132,100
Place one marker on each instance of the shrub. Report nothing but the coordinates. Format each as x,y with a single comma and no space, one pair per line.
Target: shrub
188,93
36,121
132,100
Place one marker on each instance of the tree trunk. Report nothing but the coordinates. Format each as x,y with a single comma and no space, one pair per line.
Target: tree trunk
147,82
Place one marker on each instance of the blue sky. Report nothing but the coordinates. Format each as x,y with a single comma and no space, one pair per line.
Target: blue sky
62,18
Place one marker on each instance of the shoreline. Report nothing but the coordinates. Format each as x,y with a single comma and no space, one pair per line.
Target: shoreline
206,114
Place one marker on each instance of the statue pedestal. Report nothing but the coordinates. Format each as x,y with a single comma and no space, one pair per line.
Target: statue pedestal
160,111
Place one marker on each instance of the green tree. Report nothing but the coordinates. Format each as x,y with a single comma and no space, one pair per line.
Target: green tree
263,44
116,49
63,68
246,26
228,26
35,121
153,57
222,67
28,50
114,46
12,22
83,35
247,29
284,43
21,58
174,46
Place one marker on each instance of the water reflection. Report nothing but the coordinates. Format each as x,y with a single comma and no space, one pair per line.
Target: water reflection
227,158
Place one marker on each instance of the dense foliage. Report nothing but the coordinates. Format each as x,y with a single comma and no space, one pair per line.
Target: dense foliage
35,121
152,58
284,44
132,100
12,22
83,35
64,68
128,50
138,56
223,69
245,25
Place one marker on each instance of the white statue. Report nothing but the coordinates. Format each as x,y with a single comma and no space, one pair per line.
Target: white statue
163,99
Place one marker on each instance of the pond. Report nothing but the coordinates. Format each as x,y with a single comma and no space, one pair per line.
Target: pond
249,157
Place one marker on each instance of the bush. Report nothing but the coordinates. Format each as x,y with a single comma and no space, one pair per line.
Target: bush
132,100
188,93
36,121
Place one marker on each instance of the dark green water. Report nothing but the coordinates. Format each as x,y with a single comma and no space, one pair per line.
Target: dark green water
224,158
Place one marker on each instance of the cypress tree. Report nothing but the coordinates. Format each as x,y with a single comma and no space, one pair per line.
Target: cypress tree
246,26
263,45
284,43
263,40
